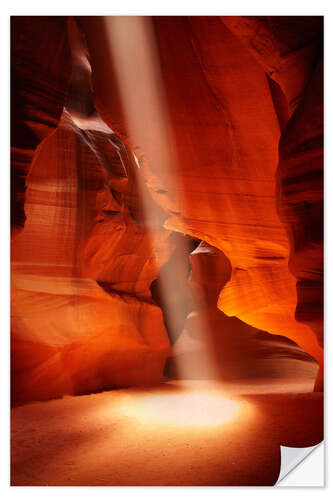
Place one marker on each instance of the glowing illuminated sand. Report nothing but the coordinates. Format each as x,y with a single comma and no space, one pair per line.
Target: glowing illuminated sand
192,409
191,404
171,435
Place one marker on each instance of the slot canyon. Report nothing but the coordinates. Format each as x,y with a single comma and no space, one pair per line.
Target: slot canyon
166,248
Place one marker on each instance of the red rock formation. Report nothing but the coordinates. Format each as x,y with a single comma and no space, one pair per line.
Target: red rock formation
290,50
40,72
201,102
83,316
83,336
286,46
222,132
300,202
215,345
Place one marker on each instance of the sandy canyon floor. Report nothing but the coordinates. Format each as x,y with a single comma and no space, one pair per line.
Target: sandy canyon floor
172,434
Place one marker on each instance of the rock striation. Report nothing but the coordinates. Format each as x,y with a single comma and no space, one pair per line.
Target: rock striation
222,134
168,126
83,318
290,50
213,345
39,86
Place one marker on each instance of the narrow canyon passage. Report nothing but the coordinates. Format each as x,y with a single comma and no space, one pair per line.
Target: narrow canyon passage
167,248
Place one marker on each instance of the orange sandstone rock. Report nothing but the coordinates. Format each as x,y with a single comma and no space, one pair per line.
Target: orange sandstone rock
81,277
213,345
176,129
286,46
82,311
221,134
40,72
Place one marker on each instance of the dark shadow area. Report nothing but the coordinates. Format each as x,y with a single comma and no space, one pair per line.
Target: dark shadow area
178,282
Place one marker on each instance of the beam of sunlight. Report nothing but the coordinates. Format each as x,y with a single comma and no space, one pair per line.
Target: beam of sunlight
135,61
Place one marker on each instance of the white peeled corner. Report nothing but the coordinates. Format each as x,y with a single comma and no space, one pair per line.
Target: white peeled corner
295,471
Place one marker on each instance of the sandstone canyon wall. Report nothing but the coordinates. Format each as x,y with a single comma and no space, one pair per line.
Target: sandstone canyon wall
291,52
223,132
233,350
38,90
195,126
82,314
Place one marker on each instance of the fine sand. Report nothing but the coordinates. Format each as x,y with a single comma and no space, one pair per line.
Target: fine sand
197,434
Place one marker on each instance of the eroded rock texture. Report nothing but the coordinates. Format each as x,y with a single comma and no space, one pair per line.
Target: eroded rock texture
300,202
287,47
213,345
82,270
40,72
172,125
222,131
290,50
83,316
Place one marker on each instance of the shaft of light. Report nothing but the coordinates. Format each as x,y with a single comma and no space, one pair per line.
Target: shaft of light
135,61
